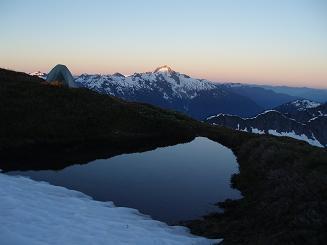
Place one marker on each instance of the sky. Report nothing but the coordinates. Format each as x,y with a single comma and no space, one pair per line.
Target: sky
278,42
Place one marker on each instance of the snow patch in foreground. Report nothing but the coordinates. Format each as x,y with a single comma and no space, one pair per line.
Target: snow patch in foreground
39,213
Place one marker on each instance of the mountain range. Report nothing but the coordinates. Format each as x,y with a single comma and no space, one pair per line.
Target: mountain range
300,119
238,106
169,89
315,94
266,98
198,98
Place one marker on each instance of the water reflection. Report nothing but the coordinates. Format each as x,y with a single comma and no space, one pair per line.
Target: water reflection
171,184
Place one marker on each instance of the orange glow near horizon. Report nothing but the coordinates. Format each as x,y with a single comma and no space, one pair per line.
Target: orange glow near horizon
223,72
262,42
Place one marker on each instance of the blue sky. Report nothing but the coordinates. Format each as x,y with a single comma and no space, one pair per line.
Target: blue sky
272,42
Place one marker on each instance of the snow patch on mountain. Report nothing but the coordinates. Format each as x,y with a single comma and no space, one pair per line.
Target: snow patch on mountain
275,123
38,213
315,118
293,135
257,131
218,115
302,105
263,113
312,141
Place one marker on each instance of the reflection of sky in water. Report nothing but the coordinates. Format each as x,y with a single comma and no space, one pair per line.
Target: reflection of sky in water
170,184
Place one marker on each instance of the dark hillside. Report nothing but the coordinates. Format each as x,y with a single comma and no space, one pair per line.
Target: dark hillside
39,119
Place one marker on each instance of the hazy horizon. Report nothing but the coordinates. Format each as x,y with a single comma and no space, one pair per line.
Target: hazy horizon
256,42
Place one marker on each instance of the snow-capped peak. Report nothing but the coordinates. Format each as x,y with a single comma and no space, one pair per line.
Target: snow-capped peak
117,74
163,69
164,81
38,74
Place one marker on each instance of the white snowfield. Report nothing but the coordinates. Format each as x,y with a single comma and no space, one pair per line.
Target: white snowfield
36,213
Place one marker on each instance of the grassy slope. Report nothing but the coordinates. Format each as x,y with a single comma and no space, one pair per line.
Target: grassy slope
283,180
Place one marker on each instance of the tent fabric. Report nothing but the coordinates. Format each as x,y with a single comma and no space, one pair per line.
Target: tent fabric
62,74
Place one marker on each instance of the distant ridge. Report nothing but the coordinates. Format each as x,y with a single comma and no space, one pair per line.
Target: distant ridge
300,119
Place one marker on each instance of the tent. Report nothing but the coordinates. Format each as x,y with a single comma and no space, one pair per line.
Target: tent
60,73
